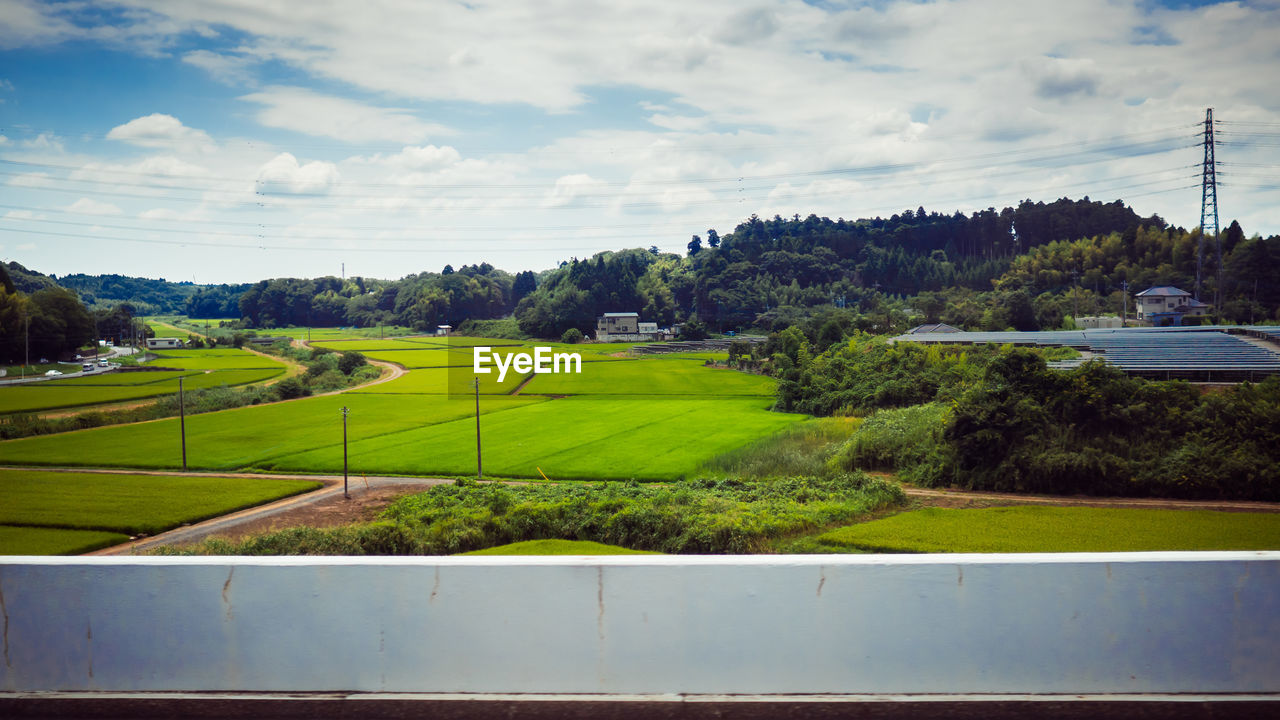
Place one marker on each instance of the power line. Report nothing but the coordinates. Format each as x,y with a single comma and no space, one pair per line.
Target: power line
1077,148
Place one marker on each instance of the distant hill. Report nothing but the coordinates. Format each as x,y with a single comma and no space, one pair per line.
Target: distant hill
28,281
154,297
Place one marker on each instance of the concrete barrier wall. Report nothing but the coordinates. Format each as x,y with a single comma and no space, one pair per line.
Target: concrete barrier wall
1097,623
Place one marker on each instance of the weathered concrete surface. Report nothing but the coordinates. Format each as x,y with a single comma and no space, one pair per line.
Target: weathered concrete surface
1180,624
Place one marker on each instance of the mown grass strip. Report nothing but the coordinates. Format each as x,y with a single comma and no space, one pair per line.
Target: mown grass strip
559,547
1059,529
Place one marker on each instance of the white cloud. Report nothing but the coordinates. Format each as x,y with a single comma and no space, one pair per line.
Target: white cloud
304,111
44,142
159,130
228,69
424,158
284,174
569,188
31,23
32,180
24,215
88,206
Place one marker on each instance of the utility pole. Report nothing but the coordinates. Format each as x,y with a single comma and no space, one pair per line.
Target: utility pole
1124,316
1209,210
26,358
479,468
345,493
182,423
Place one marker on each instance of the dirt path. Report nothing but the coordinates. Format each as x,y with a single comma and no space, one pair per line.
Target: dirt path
325,507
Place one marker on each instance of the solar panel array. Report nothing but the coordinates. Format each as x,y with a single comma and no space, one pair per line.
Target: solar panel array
1204,353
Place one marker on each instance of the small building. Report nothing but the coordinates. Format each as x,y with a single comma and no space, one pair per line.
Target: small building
163,343
626,327
1098,322
1167,305
444,329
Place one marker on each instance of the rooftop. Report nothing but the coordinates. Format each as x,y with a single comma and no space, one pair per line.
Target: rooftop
1163,290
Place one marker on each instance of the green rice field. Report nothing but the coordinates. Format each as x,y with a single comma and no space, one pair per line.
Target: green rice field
54,541
1058,529
649,419
48,512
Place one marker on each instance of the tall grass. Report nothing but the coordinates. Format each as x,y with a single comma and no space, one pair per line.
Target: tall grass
804,449
905,440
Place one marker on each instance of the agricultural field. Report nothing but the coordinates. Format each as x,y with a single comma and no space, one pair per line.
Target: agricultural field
198,368
48,512
1057,529
247,437
650,419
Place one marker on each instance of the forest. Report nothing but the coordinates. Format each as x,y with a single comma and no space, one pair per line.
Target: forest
998,418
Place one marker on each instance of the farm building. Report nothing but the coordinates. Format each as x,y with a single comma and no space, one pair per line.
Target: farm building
162,343
1167,305
444,329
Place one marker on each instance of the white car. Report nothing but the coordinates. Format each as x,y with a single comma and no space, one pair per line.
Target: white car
53,373
103,363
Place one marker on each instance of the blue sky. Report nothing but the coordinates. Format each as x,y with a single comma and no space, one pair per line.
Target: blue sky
234,140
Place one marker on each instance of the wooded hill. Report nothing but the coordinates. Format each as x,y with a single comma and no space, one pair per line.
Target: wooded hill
1028,267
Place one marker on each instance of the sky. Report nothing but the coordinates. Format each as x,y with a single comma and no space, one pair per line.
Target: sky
237,140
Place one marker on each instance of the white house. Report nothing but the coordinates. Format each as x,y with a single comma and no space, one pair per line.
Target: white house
625,327
163,343
1167,305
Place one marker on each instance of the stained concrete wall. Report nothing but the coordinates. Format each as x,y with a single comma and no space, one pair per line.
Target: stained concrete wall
1105,623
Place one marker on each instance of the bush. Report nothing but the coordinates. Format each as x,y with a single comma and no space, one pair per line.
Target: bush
351,360
571,336
290,388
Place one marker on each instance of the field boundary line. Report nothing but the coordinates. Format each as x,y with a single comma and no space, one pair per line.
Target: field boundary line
1100,501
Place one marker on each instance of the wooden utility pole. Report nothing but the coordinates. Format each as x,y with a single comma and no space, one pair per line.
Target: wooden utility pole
182,423
345,493
479,468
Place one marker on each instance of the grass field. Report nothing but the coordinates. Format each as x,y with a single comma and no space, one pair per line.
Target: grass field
41,507
558,547
52,541
651,376
1058,529
110,387
582,437
622,418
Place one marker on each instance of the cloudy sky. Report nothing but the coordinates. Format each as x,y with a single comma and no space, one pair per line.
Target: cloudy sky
234,140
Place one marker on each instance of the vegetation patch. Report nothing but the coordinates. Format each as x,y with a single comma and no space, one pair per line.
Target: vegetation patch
1059,529
693,516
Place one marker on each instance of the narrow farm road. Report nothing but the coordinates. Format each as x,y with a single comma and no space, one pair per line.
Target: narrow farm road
359,487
